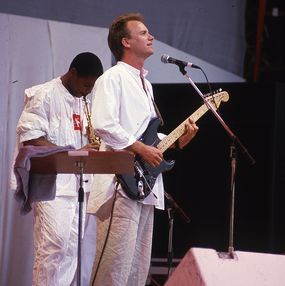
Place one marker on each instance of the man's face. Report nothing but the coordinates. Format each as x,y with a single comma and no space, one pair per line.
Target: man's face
81,86
140,41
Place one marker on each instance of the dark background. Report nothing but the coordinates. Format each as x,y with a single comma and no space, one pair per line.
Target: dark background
200,180
267,49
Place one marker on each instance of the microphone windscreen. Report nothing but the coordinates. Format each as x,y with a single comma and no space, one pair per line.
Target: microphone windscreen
164,58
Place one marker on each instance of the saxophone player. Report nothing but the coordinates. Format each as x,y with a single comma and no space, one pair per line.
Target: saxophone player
53,116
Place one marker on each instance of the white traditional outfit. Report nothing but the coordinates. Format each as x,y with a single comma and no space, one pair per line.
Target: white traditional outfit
53,113
121,112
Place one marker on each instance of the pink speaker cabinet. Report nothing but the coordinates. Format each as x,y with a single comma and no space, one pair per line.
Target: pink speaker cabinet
205,267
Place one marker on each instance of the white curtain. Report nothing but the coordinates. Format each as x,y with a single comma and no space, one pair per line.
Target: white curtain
32,52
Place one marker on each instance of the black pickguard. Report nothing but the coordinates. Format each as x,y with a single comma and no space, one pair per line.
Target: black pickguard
139,186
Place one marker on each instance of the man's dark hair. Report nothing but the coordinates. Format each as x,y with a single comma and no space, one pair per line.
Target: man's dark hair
118,30
87,64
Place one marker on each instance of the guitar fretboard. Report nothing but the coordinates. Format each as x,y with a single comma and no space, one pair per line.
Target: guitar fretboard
167,141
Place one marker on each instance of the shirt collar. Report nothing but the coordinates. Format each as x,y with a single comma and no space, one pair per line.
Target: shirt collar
132,69
69,96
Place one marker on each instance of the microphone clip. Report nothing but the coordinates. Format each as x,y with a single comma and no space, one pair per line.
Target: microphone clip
182,67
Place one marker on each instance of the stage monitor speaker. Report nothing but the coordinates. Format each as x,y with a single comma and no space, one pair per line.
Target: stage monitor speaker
207,267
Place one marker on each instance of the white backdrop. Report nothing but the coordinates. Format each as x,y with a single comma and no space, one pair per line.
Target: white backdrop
210,30
33,51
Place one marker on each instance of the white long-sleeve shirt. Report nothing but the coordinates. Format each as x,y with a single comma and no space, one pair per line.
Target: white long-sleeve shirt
53,113
121,112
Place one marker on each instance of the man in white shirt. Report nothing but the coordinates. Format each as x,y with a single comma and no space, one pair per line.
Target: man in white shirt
53,116
121,111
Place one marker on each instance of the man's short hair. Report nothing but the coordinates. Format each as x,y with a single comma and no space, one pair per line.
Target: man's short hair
87,64
118,30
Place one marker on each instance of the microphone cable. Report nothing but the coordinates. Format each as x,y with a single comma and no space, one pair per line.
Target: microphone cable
208,83
211,93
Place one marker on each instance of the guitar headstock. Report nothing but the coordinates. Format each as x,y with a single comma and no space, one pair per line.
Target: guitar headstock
217,97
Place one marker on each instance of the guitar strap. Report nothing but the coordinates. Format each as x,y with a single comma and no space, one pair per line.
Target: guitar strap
154,104
158,112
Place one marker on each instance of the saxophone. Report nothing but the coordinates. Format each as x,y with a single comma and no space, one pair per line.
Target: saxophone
92,137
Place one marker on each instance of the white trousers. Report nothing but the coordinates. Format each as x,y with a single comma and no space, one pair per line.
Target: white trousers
56,241
126,258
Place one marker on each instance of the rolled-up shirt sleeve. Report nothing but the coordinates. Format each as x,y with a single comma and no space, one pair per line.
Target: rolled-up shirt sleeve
33,122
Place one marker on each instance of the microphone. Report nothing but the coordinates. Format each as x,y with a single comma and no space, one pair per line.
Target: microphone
169,60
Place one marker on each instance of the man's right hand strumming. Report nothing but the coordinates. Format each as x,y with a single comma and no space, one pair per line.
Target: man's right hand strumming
152,155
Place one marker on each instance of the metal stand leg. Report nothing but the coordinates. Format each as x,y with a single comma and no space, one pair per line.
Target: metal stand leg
170,239
231,254
80,217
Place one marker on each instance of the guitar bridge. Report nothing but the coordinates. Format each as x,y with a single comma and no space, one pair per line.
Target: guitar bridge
140,183
141,194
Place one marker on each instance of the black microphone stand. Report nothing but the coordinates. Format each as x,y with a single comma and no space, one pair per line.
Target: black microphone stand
172,206
170,239
234,140
80,218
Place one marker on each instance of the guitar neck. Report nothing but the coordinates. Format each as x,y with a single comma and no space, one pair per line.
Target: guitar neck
167,141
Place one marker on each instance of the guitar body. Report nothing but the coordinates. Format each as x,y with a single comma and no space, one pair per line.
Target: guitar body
139,185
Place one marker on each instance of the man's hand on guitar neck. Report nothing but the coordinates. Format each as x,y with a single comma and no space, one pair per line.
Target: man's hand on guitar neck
152,155
191,130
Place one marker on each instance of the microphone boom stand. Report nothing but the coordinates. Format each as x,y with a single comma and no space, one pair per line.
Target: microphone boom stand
234,139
